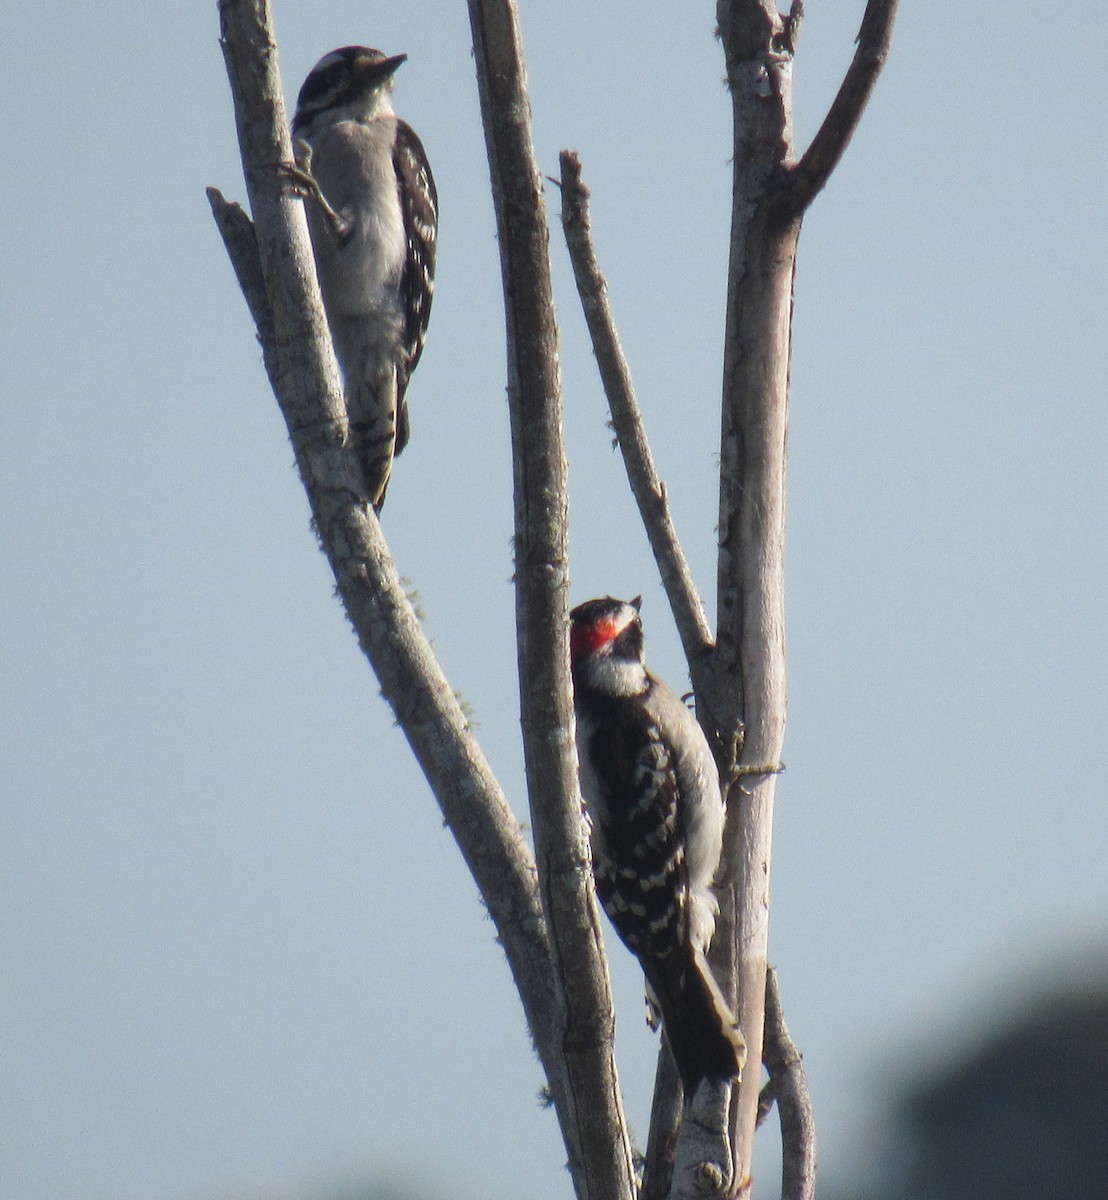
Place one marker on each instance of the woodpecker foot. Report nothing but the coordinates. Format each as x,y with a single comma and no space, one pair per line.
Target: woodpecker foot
710,1178
301,183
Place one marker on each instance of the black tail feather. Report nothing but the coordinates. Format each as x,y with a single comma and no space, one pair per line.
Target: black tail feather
699,1027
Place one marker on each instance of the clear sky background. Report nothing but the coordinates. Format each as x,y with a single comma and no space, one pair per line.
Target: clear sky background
240,955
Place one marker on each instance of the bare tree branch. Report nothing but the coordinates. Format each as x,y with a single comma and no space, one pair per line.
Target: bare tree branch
241,243
700,1159
293,331
615,374
472,803
789,1084
803,181
665,1122
747,697
286,265
593,1126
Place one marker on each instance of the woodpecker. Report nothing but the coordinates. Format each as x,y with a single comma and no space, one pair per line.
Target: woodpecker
656,814
373,217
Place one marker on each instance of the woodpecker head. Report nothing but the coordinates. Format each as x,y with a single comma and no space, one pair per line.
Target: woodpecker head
350,84
606,646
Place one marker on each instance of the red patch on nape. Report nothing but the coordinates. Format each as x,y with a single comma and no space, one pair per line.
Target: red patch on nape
584,639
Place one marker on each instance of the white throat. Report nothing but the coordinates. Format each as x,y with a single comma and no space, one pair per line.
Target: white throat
616,676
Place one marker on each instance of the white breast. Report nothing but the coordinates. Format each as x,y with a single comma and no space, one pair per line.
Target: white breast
352,163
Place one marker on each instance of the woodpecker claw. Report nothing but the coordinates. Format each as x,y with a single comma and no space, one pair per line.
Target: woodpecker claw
302,184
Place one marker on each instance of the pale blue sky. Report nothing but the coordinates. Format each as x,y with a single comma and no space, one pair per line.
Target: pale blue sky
240,955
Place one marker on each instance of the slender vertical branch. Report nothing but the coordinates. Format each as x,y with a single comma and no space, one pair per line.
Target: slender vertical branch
748,696
615,374
747,693
706,1155
665,1122
593,1126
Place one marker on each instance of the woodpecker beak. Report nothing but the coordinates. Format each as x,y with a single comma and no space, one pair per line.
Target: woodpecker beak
386,68
636,604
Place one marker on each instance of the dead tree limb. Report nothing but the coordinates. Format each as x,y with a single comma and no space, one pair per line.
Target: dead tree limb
746,695
593,1124
788,1086
665,1124
804,180
707,1159
615,374
273,261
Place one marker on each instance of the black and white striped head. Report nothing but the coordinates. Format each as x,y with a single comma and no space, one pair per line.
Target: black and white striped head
350,84
606,646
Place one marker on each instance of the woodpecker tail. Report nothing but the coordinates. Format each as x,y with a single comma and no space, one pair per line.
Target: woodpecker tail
699,1027
372,409
374,399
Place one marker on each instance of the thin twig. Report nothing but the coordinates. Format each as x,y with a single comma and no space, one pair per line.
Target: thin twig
615,374
241,243
794,1102
803,181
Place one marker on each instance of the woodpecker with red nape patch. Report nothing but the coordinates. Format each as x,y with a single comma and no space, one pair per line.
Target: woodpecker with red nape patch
373,214
656,815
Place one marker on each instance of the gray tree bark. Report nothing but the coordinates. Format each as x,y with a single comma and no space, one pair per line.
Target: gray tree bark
745,686
594,1125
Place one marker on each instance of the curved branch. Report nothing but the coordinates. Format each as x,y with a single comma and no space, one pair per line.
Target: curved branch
789,1085
648,489
804,180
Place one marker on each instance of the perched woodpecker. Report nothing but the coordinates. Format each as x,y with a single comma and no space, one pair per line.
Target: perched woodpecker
373,218
656,814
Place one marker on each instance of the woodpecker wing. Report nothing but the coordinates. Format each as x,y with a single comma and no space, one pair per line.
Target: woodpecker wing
419,203
639,859
642,880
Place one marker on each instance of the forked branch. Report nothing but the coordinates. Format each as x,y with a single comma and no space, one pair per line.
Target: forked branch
804,180
770,195
788,1088
740,675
